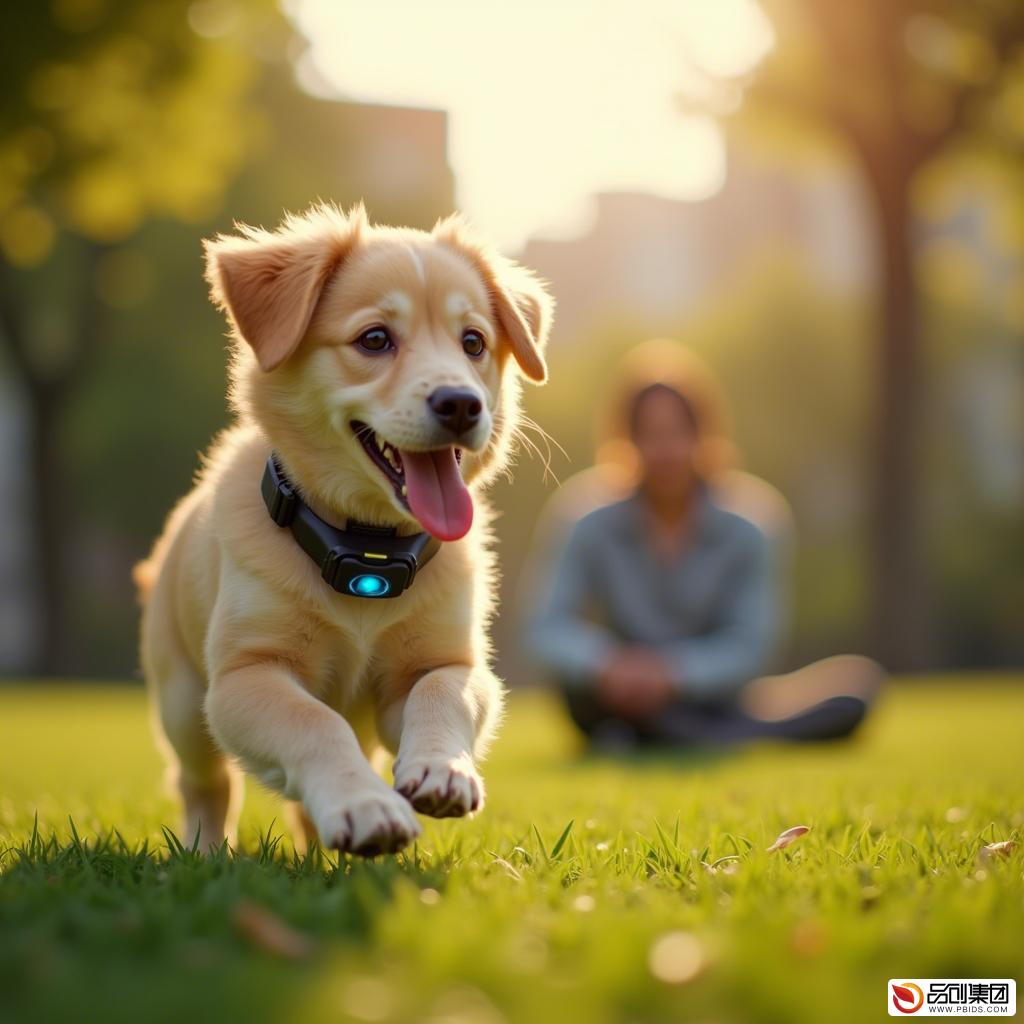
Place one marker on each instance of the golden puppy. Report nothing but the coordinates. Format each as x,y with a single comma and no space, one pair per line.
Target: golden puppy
376,366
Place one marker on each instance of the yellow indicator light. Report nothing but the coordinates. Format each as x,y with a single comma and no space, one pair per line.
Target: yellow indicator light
373,554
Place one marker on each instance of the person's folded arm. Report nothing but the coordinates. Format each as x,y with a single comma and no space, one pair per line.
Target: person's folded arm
739,647
559,636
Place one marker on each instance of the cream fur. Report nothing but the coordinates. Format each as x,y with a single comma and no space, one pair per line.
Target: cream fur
251,658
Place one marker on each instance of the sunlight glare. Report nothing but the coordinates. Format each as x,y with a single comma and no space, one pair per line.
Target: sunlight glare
549,103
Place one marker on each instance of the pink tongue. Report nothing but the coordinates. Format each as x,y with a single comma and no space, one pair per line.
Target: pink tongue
437,493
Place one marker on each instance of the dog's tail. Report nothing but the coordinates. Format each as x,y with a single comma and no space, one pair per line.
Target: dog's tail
144,574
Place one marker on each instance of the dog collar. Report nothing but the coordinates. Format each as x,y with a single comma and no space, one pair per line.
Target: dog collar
359,561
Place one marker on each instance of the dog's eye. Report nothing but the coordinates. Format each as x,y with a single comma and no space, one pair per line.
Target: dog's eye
473,343
375,341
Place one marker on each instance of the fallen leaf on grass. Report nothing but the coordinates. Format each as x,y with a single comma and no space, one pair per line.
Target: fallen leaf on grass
268,932
1003,849
791,835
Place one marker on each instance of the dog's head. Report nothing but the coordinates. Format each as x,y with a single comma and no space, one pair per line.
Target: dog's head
379,361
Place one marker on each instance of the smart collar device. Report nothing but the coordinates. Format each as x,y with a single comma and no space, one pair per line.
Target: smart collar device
361,560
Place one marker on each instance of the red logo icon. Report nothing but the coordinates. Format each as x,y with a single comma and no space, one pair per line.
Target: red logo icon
908,997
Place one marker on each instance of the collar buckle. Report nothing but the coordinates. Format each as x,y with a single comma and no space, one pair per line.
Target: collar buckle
278,494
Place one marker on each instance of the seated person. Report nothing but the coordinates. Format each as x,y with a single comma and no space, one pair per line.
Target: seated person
663,609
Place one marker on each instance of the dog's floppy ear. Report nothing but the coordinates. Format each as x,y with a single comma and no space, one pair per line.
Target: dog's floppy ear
521,300
269,282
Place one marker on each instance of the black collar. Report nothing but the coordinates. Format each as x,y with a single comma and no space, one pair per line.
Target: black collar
359,561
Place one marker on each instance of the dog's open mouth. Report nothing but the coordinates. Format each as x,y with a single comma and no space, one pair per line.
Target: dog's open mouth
428,483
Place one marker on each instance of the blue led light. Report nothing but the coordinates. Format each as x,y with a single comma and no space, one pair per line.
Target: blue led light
369,586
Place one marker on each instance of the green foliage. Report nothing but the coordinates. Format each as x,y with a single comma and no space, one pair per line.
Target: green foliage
937,71
583,888
115,112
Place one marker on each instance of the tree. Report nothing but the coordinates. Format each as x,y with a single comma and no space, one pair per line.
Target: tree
899,84
110,115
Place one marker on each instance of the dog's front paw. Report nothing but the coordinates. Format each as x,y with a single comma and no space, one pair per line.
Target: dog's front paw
440,787
368,824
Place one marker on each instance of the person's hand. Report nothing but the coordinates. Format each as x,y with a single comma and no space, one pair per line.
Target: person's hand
635,682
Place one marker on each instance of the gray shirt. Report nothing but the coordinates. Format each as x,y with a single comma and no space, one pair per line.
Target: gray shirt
713,611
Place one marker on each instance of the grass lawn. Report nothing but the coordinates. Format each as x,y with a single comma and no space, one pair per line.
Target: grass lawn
589,890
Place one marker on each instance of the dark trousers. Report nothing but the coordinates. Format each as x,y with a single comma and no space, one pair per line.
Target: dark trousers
712,723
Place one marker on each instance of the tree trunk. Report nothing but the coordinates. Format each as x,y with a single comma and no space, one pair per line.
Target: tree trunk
52,527
50,506
898,591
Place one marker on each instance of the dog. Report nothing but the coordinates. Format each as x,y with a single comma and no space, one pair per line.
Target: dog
379,371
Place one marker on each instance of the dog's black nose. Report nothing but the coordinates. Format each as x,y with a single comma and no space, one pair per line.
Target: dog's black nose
457,409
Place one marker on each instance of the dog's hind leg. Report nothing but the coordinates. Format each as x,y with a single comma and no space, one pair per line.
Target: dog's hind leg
210,785
300,825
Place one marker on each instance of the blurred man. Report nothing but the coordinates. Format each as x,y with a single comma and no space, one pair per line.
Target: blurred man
664,608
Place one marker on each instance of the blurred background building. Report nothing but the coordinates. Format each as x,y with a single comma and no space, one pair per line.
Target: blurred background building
655,258
850,259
